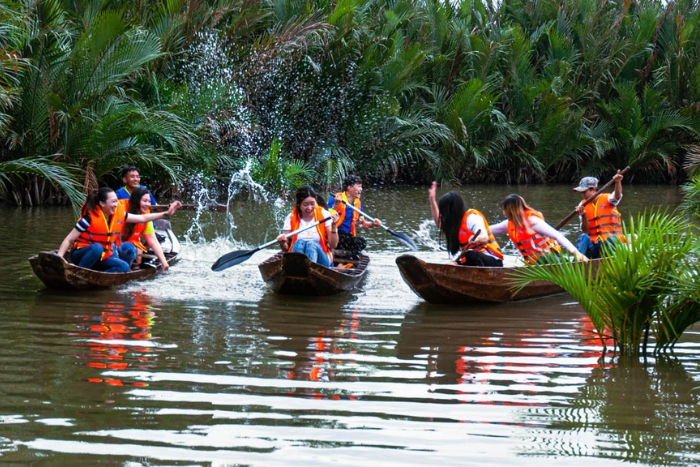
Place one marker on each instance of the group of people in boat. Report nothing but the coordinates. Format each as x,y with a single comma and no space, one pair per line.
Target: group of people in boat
335,228
468,232
108,236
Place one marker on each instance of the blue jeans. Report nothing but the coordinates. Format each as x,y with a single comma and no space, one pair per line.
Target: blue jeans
594,250
313,250
89,257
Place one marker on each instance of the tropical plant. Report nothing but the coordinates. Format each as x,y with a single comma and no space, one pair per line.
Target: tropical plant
648,284
279,174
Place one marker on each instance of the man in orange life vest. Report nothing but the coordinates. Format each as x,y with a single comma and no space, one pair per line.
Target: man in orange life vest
349,219
601,223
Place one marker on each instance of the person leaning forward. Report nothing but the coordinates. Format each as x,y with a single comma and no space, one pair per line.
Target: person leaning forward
348,219
96,238
601,223
132,180
536,240
460,226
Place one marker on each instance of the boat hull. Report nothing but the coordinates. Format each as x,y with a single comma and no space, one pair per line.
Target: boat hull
295,274
445,283
57,273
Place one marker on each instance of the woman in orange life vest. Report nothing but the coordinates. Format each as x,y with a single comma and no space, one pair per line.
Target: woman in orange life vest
601,223
459,225
535,239
315,243
96,237
140,203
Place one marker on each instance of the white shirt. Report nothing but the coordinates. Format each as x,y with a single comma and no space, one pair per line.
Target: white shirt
542,228
311,234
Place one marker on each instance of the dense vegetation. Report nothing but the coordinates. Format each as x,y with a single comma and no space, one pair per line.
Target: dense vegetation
410,90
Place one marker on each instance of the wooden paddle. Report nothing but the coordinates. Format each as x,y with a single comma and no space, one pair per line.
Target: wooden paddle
236,257
466,247
600,190
402,237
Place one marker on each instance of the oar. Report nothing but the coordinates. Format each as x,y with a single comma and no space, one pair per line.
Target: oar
466,247
400,236
236,257
600,190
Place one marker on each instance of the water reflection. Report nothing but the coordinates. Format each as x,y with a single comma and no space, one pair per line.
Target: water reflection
640,413
312,345
118,338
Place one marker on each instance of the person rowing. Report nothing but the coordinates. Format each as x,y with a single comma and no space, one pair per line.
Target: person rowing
348,222
316,243
140,203
601,222
536,240
95,241
464,229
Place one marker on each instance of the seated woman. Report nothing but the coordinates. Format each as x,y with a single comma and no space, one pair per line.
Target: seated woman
537,241
459,225
140,203
315,243
96,238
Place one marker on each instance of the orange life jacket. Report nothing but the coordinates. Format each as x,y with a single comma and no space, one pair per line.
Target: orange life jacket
603,219
531,244
318,216
107,234
465,235
135,237
341,209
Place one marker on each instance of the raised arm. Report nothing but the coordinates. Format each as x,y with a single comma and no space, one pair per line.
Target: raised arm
432,191
139,218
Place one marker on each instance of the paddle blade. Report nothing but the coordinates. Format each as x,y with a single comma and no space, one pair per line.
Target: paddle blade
231,259
403,238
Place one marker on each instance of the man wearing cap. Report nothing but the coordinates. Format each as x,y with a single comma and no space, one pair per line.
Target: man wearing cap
600,220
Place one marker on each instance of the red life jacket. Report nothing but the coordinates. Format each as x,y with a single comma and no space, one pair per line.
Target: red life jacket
341,209
530,244
107,234
465,235
603,219
318,216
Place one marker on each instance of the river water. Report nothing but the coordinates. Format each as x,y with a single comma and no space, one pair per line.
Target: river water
203,368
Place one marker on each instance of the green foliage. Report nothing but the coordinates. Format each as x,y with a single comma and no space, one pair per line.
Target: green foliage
279,174
649,283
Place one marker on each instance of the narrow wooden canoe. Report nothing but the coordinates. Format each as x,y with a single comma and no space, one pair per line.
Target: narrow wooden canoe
445,283
295,274
57,273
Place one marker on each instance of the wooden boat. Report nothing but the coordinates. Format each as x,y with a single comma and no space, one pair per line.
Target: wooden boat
295,274
55,272
445,283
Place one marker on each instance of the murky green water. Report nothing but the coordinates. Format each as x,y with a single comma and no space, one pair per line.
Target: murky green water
204,368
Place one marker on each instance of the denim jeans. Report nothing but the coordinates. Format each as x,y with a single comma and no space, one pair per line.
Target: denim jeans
594,250
89,257
313,250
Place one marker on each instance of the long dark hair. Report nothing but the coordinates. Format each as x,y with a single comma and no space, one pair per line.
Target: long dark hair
134,208
94,198
452,208
301,194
